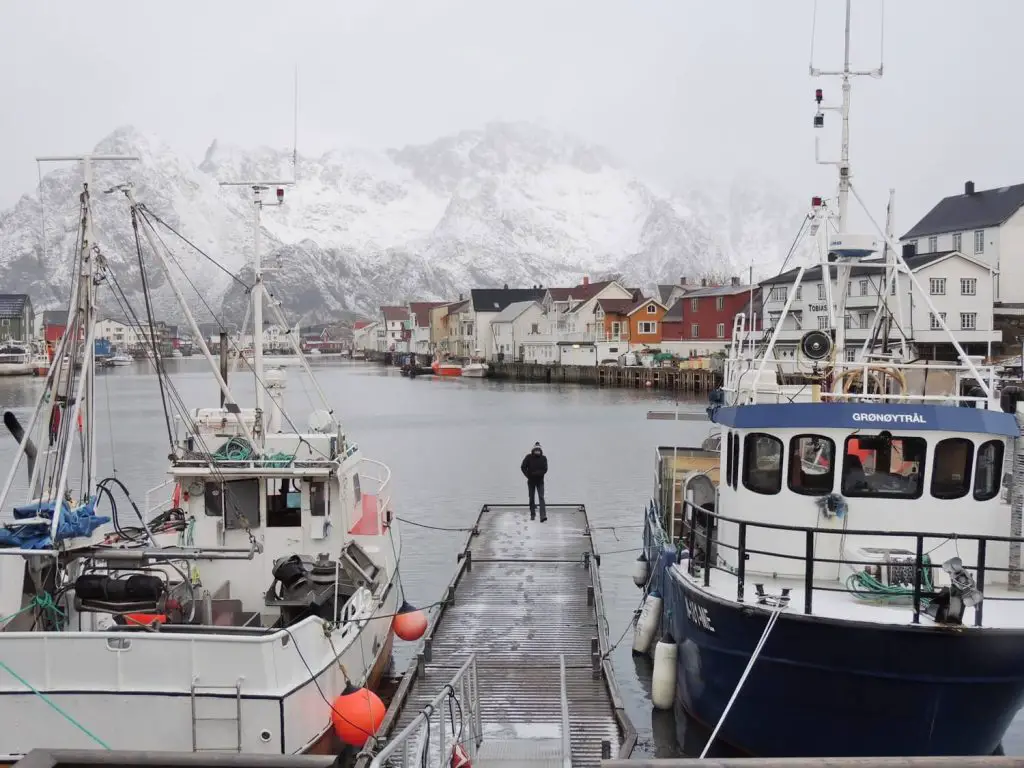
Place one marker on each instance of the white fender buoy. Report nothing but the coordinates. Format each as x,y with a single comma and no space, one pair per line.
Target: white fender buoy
647,623
641,569
663,679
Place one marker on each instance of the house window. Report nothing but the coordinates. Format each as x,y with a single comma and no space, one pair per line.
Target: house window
968,286
988,470
892,289
822,322
979,241
616,330
884,466
851,354
693,304
762,463
651,309
958,239
864,319
951,468
779,294
720,303
721,330
934,321
811,465
694,330
847,322
968,321
534,328
648,327
937,286
863,287
933,244
821,291
799,292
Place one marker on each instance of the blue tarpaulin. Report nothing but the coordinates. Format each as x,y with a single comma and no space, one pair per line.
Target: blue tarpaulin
81,521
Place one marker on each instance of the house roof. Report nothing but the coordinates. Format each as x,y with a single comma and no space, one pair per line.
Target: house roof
560,294
675,313
643,302
420,311
615,306
512,311
361,324
55,317
458,306
12,304
496,299
719,290
636,293
395,314
988,208
814,273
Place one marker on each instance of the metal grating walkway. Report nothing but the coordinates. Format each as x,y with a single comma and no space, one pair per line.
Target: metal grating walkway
525,592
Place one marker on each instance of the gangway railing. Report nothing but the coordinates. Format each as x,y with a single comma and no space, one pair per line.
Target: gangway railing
407,747
566,732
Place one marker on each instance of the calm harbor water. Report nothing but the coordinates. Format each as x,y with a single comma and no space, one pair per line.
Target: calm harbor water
452,445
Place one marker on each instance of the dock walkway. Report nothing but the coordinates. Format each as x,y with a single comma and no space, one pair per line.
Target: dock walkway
526,597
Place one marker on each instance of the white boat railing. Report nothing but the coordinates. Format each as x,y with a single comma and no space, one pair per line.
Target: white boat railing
405,749
165,498
375,481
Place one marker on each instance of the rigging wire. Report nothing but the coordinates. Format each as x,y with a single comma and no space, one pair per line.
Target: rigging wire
157,360
200,251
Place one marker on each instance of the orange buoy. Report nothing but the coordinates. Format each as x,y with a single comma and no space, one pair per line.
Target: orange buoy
410,623
357,715
145,619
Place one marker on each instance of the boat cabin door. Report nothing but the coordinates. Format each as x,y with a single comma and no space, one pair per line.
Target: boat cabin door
698,491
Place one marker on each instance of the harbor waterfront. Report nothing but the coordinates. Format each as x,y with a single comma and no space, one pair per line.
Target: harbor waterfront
454,445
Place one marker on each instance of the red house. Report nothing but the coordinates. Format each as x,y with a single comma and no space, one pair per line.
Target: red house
705,316
54,323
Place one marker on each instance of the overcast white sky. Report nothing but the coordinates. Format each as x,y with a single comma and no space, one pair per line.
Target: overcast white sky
678,89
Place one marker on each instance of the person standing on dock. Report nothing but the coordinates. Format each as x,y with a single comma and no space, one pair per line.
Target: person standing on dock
534,467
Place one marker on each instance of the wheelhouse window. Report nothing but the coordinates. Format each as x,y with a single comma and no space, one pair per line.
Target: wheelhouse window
762,463
951,468
237,501
811,465
284,504
883,466
988,470
730,437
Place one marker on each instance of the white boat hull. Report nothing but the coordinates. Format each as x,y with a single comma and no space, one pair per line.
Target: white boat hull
475,370
16,369
141,697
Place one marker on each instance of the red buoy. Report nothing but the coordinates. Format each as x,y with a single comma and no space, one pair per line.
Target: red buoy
357,714
410,623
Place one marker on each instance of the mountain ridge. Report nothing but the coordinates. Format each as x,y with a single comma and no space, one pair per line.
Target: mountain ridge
506,203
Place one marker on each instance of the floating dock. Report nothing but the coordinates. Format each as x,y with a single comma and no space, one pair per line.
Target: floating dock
521,639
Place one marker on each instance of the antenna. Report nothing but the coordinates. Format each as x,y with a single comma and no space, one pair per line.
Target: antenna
295,125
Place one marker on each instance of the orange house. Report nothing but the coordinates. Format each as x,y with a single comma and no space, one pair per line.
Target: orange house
645,322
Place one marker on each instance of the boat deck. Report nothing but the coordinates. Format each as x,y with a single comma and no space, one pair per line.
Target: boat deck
526,593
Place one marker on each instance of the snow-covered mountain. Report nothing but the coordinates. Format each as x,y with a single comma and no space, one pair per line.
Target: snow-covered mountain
510,203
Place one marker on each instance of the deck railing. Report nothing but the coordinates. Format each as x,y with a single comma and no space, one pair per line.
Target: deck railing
406,748
701,539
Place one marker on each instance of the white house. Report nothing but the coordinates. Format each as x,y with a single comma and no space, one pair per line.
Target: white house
117,333
959,286
523,332
364,335
581,323
987,226
419,316
486,303
396,327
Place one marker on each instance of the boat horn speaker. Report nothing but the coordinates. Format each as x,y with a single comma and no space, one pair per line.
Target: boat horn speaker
816,345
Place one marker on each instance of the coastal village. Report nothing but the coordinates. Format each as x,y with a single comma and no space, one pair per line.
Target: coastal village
964,253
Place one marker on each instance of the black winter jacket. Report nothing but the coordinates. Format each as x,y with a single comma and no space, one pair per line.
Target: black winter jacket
535,466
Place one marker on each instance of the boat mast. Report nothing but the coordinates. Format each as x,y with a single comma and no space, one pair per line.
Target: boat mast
843,163
258,188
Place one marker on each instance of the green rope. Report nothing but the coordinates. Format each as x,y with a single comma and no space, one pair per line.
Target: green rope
54,706
867,587
238,449
44,603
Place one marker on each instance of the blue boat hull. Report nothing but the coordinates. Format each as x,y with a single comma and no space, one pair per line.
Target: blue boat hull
824,687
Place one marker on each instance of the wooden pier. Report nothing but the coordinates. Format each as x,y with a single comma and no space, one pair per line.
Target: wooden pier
630,377
525,598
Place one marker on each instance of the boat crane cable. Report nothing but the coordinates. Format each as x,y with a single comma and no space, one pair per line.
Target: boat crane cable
157,360
149,213
769,625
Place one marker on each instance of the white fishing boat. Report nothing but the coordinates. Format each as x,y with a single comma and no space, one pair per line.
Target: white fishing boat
16,358
250,609
476,368
120,359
